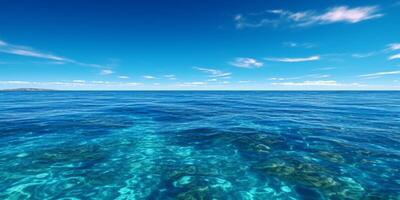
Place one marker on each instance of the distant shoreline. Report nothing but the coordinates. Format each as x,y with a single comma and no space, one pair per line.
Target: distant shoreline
26,90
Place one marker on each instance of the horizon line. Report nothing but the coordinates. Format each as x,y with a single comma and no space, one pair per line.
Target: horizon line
198,90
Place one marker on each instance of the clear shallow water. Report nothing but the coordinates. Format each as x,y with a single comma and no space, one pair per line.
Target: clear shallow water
200,145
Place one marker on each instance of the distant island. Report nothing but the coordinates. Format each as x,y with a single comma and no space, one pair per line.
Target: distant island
27,89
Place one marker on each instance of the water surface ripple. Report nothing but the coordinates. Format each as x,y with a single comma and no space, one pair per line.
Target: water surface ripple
199,145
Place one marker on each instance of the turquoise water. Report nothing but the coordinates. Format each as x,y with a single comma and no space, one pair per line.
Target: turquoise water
199,145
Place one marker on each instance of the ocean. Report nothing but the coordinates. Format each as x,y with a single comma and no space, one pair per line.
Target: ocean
200,145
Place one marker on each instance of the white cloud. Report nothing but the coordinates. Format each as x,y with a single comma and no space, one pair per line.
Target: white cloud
323,83
149,77
381,74
309,17
350,15
170,76
396,56
191,84
246,63
279,79
79,81
245,81
123,77
323,76
98,82
363,55
316,76
106,72
196,83
311,58
394,46
308,83
214,73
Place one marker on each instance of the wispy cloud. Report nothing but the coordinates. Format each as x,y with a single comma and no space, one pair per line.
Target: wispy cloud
363,55
322,83
325,68
291,60
301,45
308,17
245,81
350,15
55,59
191,84
25,51
381,74
123,77
280,79
213,73
79,81
149,77
393,46
246,63
320,75
244,21
74,84
396,56
170,76
106,72
308,83
316,76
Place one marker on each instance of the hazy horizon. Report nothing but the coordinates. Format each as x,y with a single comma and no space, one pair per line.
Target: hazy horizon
200,45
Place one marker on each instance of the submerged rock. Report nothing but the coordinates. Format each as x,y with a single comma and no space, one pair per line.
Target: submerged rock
276,167
183,181
333,157
198,193
307,193
311,175
286,189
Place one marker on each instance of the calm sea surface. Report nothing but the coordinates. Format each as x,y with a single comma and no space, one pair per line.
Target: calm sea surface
199,145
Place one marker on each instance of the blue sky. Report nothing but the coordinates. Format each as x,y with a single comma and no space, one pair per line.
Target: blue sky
200,45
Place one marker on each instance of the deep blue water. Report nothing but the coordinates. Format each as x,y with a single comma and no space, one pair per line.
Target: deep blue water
199,145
